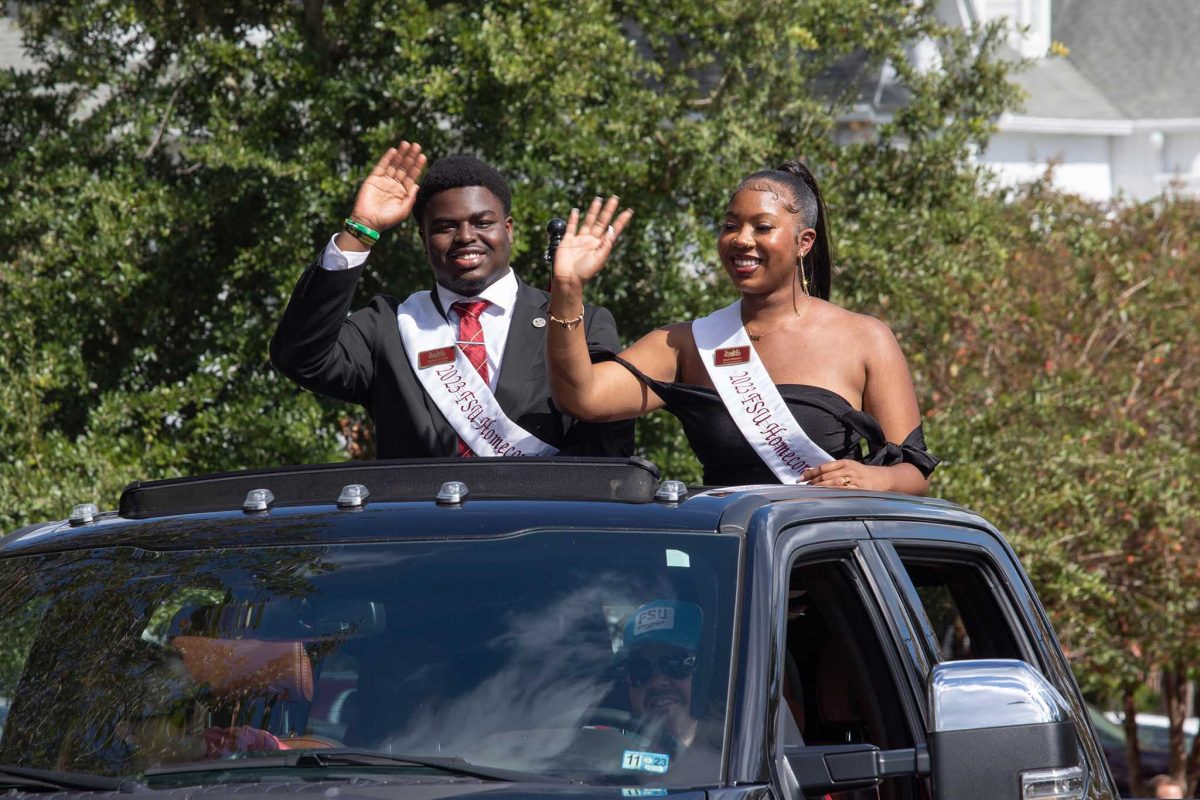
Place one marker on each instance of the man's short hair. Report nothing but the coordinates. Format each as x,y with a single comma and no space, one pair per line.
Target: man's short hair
456,172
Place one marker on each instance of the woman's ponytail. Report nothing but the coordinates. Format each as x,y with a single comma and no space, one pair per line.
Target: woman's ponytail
818,265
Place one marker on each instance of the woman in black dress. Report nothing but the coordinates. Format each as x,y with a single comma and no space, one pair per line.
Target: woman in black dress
835,379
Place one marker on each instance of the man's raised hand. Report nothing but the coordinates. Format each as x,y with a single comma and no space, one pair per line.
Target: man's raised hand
386,197
586,245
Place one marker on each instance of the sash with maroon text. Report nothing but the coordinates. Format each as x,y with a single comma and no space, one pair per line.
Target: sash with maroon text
454,386
750,396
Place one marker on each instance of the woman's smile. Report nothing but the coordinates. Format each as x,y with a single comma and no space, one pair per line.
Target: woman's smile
745,266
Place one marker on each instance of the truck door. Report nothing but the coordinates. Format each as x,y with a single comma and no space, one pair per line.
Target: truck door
846,673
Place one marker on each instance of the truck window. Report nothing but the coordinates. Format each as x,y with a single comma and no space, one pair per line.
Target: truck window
839,680
967,614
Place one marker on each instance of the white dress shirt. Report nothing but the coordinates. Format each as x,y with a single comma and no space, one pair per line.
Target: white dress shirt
495,319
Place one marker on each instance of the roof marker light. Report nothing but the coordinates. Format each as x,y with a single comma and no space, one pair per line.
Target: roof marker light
353,495
83,514
452,493
257,500
671,491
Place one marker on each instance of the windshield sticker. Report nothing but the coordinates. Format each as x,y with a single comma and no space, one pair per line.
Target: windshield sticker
646,762
643,792
653,619
678,558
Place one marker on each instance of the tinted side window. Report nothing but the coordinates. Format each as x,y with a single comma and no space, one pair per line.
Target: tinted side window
843,690
963,606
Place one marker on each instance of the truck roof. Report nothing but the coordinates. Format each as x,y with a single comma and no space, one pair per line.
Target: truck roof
486,497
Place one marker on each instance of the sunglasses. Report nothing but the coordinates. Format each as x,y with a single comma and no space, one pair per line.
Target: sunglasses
638,670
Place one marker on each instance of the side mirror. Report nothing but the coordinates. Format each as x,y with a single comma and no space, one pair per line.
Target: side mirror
1001,731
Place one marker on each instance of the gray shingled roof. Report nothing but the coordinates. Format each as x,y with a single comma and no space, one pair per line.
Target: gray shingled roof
1056,89
1142,54
1128,60
854,75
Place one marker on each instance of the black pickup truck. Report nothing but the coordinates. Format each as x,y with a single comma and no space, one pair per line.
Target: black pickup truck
534,628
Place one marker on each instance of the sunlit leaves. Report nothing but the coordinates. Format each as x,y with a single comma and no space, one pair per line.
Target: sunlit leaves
1065,398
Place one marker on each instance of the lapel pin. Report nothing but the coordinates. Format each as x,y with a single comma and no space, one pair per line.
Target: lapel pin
539,322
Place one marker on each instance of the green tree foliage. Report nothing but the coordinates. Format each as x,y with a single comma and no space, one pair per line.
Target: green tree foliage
1065,397
168,171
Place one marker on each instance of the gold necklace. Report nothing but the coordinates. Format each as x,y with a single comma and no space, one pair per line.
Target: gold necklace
754,337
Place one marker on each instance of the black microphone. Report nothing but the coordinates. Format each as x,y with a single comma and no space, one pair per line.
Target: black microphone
556,229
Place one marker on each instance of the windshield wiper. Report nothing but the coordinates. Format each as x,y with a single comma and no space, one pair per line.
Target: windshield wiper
30,779
346,757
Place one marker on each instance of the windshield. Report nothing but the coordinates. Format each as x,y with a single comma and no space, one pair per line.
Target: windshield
597,656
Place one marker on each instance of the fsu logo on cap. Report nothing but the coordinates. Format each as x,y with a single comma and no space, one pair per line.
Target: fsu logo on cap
435,358
728,356
653,619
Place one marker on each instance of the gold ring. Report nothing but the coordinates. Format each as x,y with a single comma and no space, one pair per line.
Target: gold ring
847,480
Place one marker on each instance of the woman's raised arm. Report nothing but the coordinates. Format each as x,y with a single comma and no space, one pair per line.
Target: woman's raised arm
606,391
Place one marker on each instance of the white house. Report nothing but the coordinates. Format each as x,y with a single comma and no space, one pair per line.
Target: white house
1117,113
12,55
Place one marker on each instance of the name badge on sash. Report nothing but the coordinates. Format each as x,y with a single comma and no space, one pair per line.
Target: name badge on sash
436,357
729,356
751,398
454,386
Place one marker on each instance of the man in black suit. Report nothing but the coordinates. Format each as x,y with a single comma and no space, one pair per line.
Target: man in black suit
459,370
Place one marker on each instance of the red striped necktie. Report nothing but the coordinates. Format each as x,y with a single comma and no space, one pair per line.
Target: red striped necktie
470,341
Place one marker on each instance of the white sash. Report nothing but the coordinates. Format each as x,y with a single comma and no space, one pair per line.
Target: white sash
751,397
450,380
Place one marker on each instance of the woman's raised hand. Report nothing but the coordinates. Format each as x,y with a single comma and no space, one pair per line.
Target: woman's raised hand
586,245
386,197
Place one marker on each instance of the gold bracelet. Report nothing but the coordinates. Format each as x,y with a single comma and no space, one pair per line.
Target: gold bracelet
568,324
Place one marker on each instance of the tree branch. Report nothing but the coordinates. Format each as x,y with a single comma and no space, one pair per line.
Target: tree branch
1106,316
162,126
314,26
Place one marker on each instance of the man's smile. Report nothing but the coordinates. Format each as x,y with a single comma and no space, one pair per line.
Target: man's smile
662,699
466,258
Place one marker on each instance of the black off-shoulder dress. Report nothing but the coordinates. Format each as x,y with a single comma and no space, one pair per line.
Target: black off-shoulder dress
828,418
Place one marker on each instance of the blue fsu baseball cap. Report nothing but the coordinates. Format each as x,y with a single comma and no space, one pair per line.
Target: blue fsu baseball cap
670,622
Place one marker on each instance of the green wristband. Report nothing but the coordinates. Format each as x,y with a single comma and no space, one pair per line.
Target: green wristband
360,232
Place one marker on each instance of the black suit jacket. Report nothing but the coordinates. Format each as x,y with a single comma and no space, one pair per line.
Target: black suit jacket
361,359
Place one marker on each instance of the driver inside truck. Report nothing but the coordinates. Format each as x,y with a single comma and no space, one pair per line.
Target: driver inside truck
657,662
